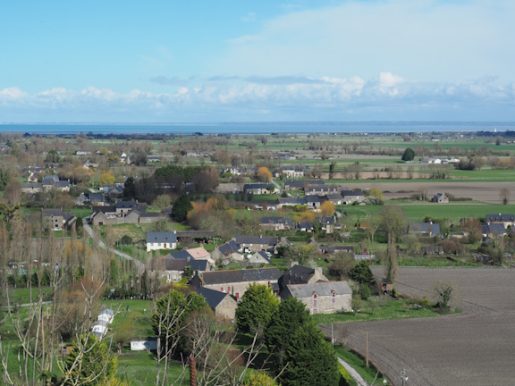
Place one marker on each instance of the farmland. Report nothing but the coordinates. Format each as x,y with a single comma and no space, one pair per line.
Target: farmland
470,348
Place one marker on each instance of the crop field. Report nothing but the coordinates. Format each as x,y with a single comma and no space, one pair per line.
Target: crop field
470,348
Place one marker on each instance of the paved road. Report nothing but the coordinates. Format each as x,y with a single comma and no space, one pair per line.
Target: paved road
138,264
475,347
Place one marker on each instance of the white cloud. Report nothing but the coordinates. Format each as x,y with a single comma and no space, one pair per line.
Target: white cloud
11,94
386,96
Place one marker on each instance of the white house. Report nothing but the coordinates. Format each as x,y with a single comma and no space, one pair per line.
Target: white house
161,240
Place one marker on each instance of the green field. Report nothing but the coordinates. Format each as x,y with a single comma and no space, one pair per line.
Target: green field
378,308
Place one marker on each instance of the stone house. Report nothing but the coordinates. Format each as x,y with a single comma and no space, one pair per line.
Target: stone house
275,223
236,282
256,243
440,198
351,197
222,303
428,229
57,219
322,297
508,220
230,251
259,188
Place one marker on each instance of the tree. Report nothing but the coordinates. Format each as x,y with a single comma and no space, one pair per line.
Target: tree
332,168
129,188
444,296
4,179
106,178
362,274
504,193
170,319
180,208
52,157
393,222
299,353
377,194
90,362
255,309
408,155
264,174
162,201
327,208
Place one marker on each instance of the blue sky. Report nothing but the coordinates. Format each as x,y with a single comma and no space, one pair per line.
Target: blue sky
239,60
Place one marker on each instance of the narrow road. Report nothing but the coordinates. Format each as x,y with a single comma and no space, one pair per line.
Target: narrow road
138,264
353,373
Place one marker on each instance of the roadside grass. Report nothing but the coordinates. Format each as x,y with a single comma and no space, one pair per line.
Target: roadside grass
81,212
379,308
141,368
370,374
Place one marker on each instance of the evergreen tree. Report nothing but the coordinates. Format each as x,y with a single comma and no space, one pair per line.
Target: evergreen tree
129,189
90,362
299,353
180,208
408,155
256,309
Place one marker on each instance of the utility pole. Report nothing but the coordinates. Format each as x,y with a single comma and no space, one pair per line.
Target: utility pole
404,377
332,334
366,349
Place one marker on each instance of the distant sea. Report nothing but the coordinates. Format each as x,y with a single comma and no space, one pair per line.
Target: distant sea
256,127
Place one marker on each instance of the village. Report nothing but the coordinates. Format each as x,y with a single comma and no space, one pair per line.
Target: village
140,217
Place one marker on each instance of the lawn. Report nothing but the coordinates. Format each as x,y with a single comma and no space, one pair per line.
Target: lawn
378,308
140,369
133,319
27,295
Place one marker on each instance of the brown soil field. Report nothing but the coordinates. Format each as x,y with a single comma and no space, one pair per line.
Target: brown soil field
475,347
479,191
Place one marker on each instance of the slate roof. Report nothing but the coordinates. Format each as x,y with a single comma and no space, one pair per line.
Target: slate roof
292,200
213,297
243,275
352,193
320,288
180,254
50,180
494,229
161,237
248,239
178,264
259,185
298,274
426,227
314,198
228,248
500,217
276,220
56,213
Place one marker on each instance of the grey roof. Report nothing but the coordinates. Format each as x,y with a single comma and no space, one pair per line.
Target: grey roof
50,180
228,248
213,297
243,275
127,205
276,220
292,200
259,185
31,185
314,198
320,289
62,184
426,227
298,274
96,197
178,264
327,220
180,254
56,213
352,193
161,237
266,240
494,229
500,217
336,248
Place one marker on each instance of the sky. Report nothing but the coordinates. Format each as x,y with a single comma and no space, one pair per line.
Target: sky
256,60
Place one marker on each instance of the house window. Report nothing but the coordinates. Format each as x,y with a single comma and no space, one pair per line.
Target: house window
222,289
333,294
237,296
314,307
